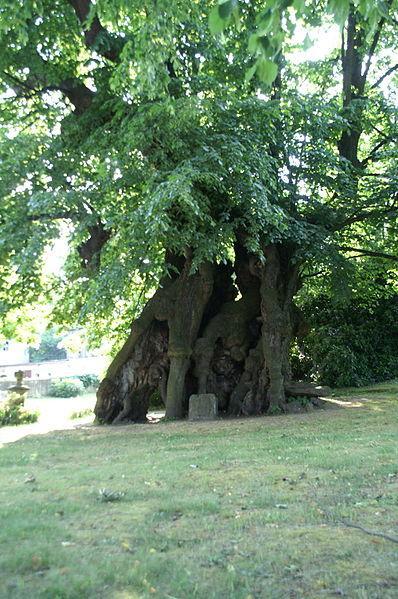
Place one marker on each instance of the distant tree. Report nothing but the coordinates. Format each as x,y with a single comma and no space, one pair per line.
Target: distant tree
48,348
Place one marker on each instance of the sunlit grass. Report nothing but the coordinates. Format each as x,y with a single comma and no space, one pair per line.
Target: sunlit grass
54,414
241,508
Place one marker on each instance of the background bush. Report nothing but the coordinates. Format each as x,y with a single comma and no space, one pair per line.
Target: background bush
11,415
89,380
348,345
66,388
156,402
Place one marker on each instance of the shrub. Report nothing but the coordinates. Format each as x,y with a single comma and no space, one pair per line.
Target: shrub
65,388
349,345
81,414
12,415
89,380
303,400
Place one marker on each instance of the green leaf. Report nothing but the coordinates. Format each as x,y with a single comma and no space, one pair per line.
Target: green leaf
225,9
383,8
299,6
264,41
250,73
253,43
308,43
216,23
236,17
266,70
340,9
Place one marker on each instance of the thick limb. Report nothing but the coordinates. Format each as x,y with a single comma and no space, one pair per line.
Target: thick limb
175,398
278,285
229,337
126,394
192,295
120,394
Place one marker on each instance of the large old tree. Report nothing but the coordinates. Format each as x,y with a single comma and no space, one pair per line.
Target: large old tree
200,175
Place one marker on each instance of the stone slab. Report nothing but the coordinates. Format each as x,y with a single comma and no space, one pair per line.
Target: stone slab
203,406
307,389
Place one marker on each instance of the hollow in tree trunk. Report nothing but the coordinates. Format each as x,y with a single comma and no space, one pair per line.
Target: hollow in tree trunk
223,329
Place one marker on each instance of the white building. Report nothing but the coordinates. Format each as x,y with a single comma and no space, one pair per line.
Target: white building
13,353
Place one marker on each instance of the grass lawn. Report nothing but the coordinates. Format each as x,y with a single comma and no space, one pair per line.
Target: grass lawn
236,509
54,414
58,408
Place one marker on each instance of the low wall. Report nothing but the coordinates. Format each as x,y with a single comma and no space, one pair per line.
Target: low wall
37,388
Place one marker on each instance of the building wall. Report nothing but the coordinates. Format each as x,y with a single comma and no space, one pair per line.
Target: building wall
56,369
12,352
38,388
39,376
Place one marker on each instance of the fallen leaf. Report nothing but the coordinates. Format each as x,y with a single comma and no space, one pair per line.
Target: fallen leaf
36,562
126,546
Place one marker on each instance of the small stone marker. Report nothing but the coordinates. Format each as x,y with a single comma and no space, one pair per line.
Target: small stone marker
203,407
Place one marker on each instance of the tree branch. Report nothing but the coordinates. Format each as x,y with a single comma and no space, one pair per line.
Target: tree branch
19,83
371,253
365,214
91,35
313,274
76,92
373,533
57,216
374,151
373,45
386,74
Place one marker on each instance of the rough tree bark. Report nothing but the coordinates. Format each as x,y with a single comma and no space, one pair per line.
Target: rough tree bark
279,281
157,352
221,330
192,292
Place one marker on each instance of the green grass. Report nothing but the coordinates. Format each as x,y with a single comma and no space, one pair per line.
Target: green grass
236,509
61,408
82,414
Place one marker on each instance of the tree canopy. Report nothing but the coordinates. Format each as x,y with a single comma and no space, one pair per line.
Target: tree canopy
156,130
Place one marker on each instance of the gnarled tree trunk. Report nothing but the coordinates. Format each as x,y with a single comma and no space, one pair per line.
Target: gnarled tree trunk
157,352
222,330
279,282
191,297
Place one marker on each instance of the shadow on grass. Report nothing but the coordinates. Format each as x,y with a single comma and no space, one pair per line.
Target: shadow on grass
56,414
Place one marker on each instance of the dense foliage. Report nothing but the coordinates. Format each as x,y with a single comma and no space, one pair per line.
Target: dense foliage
48,348
65,388
89,381
12,415
350,344
167,136
144,160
